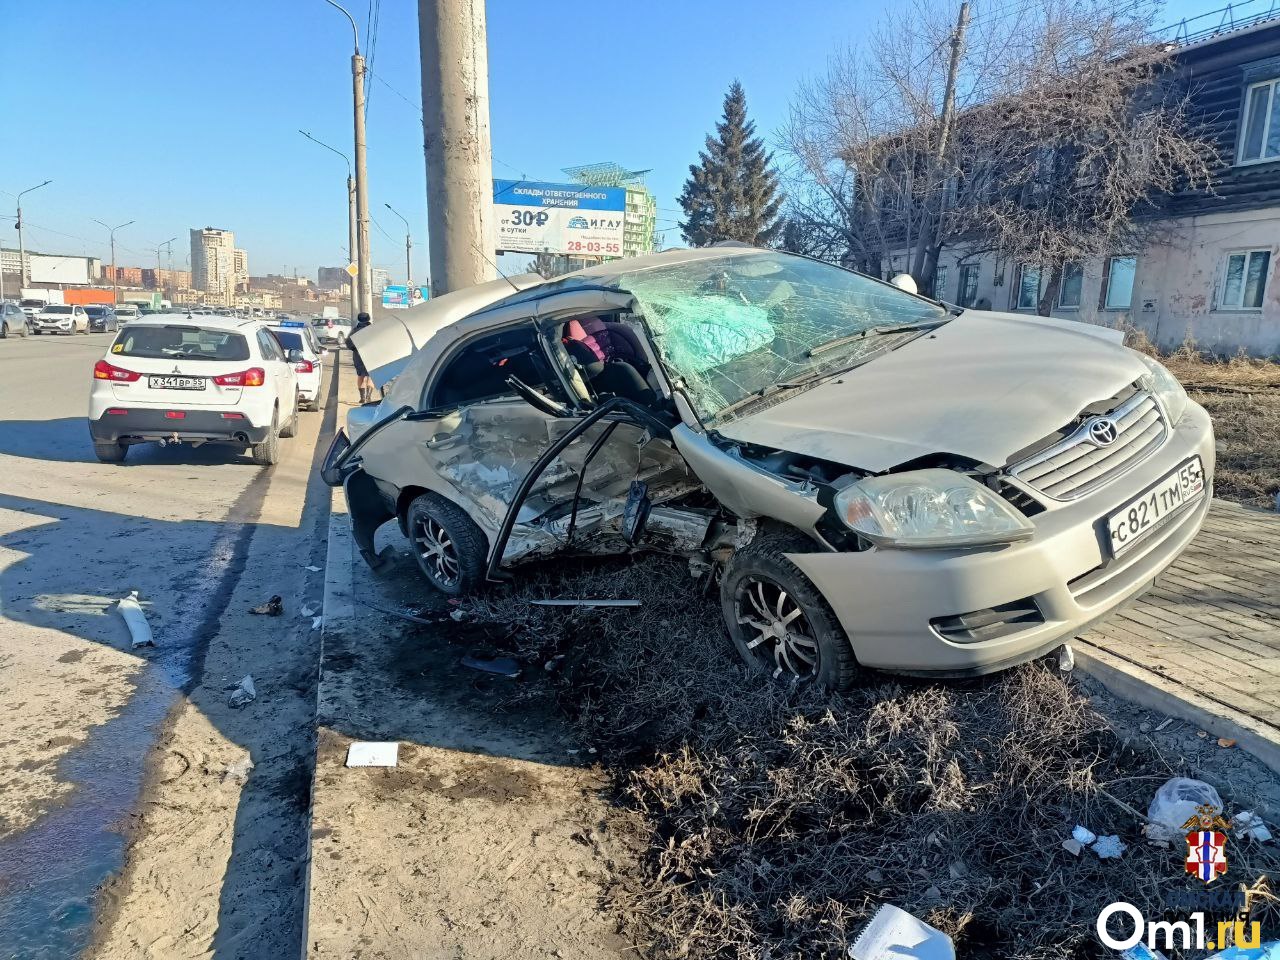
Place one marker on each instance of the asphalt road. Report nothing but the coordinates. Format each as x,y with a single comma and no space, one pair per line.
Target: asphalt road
81,710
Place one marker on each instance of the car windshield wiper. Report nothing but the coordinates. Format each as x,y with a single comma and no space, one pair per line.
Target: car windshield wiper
874,332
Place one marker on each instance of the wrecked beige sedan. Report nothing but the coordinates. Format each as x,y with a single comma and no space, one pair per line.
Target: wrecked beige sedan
881,481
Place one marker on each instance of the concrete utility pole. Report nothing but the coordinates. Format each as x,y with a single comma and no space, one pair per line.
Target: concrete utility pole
455,122
351,220
115,284
23,279
408,245
364,300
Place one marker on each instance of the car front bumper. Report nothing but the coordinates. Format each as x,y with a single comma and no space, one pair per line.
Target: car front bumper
138,425
43,326
890,602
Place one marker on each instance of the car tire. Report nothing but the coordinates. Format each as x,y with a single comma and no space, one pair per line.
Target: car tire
110,452
763,591
290,429
267,452
450,549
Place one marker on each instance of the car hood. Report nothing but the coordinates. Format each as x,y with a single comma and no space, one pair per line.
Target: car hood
983,386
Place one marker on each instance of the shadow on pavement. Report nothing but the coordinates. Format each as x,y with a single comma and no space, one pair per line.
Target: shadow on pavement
67,440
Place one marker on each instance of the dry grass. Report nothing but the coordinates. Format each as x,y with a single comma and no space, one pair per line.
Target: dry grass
771,822
1243,397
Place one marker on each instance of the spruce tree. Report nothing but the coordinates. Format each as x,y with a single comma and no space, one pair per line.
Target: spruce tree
732,191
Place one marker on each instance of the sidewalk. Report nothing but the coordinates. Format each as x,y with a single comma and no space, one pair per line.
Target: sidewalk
1204,644
486,840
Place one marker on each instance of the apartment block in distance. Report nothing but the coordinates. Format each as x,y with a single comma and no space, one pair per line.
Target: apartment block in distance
213,264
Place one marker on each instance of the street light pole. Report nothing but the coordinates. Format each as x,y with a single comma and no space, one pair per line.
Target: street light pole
365,285
23,279
408,245
351,221
159,282
115,281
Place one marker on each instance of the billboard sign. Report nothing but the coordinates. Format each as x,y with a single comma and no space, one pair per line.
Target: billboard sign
397,296
568,218
55,269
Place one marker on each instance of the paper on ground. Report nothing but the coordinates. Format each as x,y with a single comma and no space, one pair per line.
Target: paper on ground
371,753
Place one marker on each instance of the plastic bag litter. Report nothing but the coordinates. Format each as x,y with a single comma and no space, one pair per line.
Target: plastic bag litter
238,770
894,933
244,693
136,621
1175,803
1083,835
1108,848
1249,824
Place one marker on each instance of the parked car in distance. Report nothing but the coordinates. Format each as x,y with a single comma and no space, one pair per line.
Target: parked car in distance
884,481
31,306
61,318
171,378
126,312
13,322
333,330
304,351
102,318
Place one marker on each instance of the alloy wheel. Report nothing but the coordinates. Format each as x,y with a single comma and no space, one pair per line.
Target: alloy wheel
436,550
775,628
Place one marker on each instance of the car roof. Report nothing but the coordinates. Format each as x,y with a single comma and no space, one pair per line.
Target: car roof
208,321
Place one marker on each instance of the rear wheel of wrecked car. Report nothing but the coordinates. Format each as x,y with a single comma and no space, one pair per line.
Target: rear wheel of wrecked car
778,620
451,550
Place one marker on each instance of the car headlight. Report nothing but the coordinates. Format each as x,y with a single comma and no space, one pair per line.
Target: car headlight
929,508
1166,388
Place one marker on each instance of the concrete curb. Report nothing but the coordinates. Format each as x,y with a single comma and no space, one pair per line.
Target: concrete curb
1147,689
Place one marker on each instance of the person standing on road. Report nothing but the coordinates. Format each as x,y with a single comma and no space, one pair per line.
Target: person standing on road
363,380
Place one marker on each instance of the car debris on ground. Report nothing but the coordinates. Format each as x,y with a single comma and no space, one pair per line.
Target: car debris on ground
136,620
243,694
270,608
373,753
893,933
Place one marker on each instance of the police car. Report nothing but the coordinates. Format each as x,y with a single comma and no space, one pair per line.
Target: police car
297,335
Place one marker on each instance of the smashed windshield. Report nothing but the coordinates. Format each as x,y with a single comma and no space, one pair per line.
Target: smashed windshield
739,327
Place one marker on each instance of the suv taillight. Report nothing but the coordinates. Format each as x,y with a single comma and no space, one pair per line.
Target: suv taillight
105,371
304,366
253,377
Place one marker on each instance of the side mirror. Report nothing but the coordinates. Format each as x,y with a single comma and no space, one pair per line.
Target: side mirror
293,356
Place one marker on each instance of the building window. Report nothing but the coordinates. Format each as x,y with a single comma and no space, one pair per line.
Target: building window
967,288
1120,274
1260,129
1026,295
1072,286
940,281
1245,280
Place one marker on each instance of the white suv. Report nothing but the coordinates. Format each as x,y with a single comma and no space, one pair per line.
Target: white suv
61,318
174,378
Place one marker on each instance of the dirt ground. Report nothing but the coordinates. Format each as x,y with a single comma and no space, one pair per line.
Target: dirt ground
489,839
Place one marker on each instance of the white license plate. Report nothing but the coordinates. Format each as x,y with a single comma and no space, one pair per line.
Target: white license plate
1139,516
176,383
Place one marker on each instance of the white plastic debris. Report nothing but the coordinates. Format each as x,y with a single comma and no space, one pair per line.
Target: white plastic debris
316,622
457,615
373,753
1072,846
1249,824
136,621
244,693
310,609
893,934
1083,835
1066,658
238,770
1175,803
313,568
1108,848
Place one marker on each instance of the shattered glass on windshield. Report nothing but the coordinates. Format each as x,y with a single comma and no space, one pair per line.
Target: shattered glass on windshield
738,328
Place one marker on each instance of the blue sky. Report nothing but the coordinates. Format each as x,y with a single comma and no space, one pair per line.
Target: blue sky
185,114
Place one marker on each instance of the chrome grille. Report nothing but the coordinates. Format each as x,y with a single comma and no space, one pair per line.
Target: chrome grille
1077,465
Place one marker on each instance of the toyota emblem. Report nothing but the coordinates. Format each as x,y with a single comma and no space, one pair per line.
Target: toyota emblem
1103,431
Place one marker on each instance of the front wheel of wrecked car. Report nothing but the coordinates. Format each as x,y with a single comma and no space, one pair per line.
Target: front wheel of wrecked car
779,621
450,549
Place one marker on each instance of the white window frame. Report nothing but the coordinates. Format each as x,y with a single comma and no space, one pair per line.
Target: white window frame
1062,287
1272,87
1106,296
1248,254
1015,299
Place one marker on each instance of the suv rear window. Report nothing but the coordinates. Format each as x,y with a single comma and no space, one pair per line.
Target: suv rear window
185,342
289,340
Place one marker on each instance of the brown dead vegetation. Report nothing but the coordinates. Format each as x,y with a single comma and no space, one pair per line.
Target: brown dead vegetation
1242,395
771,822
